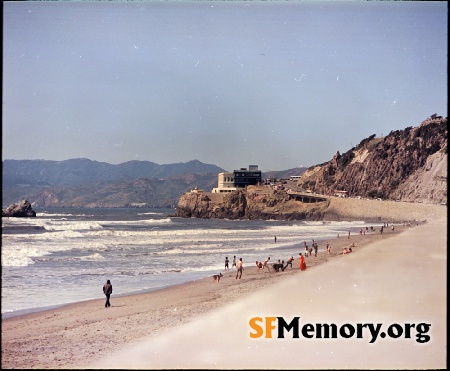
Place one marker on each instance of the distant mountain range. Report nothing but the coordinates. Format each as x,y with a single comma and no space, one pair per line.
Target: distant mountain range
84,171
86,183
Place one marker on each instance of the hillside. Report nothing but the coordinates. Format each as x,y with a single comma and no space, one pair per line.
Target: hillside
406,165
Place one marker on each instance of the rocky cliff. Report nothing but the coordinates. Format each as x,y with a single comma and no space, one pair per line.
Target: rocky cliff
406,165
256,202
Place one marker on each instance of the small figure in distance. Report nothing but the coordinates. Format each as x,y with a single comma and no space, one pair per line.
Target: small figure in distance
266,263
107,290
302,264
346,251
289,262
226,263
240,268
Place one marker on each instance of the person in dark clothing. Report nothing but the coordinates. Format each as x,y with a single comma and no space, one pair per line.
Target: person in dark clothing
107,290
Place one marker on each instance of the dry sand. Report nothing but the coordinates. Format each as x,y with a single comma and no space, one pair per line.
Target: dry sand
395,278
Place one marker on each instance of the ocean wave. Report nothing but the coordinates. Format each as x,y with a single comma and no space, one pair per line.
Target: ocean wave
61,214
71,225
149,213
137,222
16,261
95,256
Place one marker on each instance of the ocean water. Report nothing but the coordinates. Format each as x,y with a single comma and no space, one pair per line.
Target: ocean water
66,255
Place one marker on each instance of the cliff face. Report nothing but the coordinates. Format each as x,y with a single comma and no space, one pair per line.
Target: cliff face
406,165
254,203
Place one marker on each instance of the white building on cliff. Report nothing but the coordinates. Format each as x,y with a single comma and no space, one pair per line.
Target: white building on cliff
225,183
229,182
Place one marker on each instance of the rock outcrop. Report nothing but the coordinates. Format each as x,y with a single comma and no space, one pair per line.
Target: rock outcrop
21,210
256,202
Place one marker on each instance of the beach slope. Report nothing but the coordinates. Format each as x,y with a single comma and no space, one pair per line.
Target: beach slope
398,283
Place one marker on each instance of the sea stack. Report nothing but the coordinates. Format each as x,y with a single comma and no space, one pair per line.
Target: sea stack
21,210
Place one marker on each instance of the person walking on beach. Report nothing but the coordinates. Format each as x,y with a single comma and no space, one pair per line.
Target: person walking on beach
315,248
289,262
234,262
107,290
240,268
226,263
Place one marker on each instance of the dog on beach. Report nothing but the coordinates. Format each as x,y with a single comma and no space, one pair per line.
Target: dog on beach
216,277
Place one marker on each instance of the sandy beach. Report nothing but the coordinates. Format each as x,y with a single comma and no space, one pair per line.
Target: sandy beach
396,279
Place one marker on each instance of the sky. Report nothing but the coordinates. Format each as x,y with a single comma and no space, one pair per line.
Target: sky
237,83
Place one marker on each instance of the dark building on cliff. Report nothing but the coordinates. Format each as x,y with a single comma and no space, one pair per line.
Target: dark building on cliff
244,177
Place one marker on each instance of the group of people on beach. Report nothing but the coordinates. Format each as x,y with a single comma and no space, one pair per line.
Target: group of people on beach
238,264
308,250
279,266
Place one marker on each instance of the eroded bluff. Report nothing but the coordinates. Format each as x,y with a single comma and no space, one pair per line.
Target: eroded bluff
406,165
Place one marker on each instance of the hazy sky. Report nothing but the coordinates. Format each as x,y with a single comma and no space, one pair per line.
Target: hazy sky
274,84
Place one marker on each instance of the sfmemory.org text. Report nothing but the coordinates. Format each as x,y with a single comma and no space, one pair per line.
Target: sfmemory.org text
270,327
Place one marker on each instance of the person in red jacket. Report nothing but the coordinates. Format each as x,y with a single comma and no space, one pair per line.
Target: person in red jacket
302,264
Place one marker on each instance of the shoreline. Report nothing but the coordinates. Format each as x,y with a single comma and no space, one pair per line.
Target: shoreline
23,312
50,338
